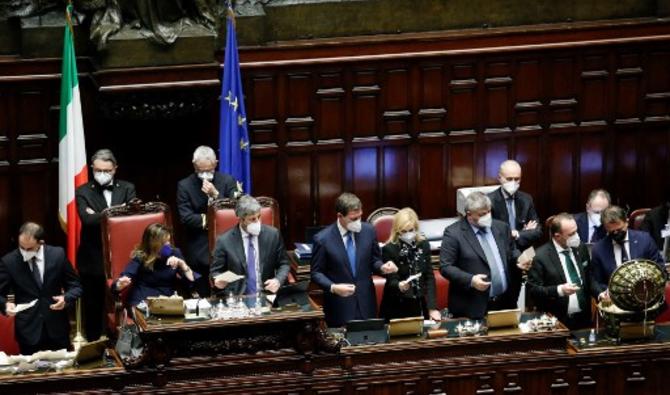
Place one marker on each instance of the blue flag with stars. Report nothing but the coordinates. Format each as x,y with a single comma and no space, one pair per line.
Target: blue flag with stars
235,155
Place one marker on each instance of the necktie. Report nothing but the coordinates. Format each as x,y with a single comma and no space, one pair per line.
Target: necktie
574,278
351,252
496,275
624,254
36,271
594,235
511,211
251,267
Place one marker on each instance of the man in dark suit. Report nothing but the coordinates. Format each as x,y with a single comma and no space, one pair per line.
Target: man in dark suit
558,280
250,249
620,245
344,257
92,198
38,272
657,224
589,226
478,258
194,193
515,207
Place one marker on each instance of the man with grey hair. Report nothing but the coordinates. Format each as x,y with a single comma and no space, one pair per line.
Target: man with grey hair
515,207
619,246
344,257
589,226
478,258
194,193
92,198
251,249
40,273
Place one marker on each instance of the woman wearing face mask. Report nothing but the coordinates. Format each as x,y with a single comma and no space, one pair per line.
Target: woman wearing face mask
410,251
156,267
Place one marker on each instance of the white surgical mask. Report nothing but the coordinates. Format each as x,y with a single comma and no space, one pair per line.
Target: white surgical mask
408,237
485,221
27,255
102,178
573,241
206,175
254,228
594,218
354,226
511,187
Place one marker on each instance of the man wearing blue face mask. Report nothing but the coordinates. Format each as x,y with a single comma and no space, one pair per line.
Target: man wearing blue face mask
515,207
39,273
194,193
250,249
478,257
92,198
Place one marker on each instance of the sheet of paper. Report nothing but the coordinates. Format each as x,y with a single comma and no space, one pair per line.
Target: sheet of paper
413,277
228,277
271,297
527,255
25,306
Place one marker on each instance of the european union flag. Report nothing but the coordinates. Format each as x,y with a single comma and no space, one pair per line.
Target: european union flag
235,155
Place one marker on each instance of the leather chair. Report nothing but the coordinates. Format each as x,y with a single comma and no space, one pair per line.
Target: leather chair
8,343
382,220
441,290
379,283
665,316
636,218
122,229
462,193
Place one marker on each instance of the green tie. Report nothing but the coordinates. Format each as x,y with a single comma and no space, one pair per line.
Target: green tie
574,279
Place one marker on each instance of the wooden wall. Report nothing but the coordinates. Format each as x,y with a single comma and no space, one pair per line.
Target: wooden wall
398,120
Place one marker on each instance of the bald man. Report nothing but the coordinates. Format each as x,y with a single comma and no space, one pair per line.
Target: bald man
514,207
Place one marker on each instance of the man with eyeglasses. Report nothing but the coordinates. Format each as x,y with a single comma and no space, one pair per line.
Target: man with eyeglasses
101,192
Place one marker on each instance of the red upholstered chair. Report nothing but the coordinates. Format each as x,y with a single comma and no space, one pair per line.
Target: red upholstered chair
441,290
636,218
8,343
379,283
382,220
122,229
547,226
665,316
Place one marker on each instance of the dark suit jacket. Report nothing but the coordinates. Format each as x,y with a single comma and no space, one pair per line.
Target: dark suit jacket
654,222
525,212
191,203
547,274
330,265
603,263
461,257
15,275
229,255
89,253
582,220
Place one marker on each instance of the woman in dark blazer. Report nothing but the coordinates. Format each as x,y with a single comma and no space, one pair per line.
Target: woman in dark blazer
156,267
410,251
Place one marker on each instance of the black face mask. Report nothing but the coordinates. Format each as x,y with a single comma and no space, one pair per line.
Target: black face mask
618,236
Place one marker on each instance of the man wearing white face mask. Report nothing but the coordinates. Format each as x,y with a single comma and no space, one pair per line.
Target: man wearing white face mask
194,193
38,272
515,207
92,198
589,226
558,280
250,249
478,258
345,255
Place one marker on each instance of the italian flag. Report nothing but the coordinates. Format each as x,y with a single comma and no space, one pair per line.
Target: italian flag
72,170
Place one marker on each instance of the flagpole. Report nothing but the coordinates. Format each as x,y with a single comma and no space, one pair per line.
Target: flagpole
79,339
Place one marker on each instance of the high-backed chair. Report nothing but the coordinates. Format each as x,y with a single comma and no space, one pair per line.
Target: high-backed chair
221,216
462,193
382,220
8,343
636,218
122,229
547,226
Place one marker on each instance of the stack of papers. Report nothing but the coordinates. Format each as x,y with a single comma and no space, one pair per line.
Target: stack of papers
303,251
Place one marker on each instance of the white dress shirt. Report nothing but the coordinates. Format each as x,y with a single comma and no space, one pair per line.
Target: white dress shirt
573,301
245,242
39,260
343,234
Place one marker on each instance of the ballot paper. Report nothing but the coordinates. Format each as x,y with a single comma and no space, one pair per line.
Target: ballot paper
228,277
527,255
413,277
24,306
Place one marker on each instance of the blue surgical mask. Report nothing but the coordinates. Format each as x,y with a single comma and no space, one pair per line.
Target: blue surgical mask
166,251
